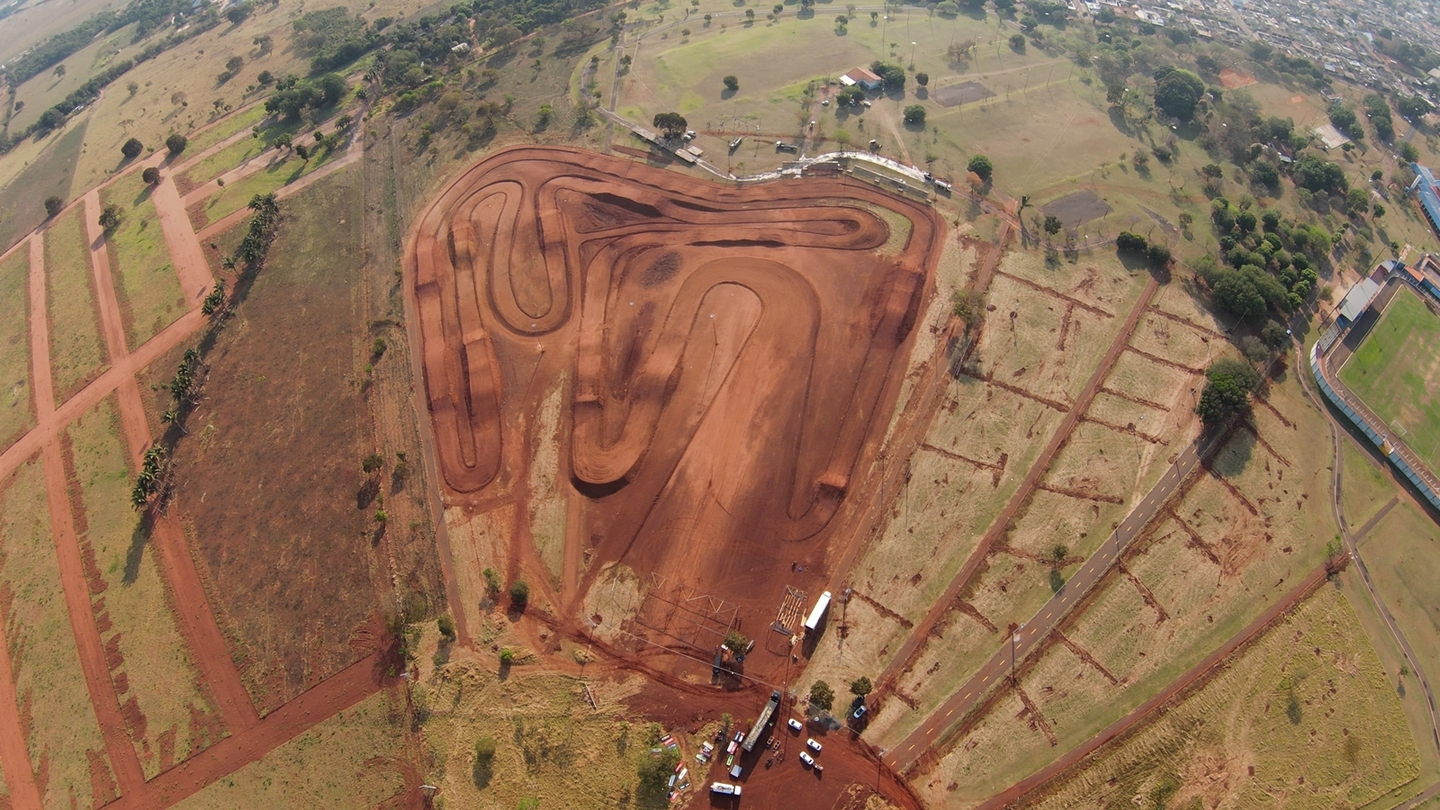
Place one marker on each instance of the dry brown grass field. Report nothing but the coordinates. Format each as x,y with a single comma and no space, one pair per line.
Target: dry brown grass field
1305,717
17,397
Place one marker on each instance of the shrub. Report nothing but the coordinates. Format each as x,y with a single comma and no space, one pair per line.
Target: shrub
151,175
861,686
132,148
822,696
176,143
446,625
980,166
53,206
519,593
915,115
731,83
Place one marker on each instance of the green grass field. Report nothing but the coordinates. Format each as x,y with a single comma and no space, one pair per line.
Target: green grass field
48,679
1397,369
160,675
1366,487
224,128
145,281
209,168
1404,559
17,400
238,194
77,354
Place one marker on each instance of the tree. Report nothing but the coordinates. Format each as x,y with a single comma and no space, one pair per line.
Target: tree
980,166
922,79
1159,255
1017,43
176,143
132,148
1229,384
332,88
1409,153
237,13
264,43
861,686
110,219
60,71
302,151
822,696
915,115
234,63
1177,92
485,751
445,625
736,641
1274,334
731,83
519,594
1357,202
1238,293
1128,242
670,124
1052,225
892,75
53,206
1318,174
151,175
655,772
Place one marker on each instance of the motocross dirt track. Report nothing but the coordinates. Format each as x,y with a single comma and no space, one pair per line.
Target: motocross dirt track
731,357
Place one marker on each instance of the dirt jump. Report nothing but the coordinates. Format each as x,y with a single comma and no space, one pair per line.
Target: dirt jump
727,359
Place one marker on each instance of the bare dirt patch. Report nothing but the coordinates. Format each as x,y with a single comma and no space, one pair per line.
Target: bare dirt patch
1077,208
1231,79
954,95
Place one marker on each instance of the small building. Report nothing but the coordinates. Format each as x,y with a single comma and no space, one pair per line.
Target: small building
1355,302
1427,191
1330,137
865,78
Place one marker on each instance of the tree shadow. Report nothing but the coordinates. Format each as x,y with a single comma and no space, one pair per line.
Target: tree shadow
139,538
482,773
727,94
1234,457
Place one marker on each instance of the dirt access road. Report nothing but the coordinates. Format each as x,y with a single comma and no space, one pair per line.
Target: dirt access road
249,737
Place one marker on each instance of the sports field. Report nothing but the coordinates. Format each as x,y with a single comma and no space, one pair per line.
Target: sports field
1397,369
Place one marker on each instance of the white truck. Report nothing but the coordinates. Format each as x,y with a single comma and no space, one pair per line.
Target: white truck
725,788
821,605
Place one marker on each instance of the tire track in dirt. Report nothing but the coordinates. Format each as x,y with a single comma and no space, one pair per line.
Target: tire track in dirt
1037,720
1128,430
904,657
1204,330
1150,709
1084,655
1132,398
1196,541
989,379
1054,293
1155,358
1146,595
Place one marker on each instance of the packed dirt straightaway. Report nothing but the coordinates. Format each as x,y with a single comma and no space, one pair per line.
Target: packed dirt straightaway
727,358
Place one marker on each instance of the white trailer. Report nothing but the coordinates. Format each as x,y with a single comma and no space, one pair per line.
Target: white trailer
821,605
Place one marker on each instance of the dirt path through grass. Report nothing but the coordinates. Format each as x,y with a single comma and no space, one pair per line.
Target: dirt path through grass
185,253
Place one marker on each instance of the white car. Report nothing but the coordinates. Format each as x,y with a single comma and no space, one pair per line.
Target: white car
725,789
795,725
806,758
812,745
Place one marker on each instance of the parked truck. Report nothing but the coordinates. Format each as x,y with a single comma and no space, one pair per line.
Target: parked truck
766,715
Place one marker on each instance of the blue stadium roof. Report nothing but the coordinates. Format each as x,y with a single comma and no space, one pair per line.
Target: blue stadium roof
1428,191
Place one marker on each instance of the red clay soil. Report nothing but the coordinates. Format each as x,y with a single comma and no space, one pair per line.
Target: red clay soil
732,357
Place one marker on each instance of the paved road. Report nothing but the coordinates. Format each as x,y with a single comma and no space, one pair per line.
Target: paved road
1034,631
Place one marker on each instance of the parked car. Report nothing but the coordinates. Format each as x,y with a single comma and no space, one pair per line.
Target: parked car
795,725
812,745
806,758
